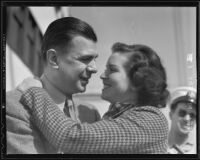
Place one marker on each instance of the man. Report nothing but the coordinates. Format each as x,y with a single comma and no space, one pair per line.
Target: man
182,135
69,53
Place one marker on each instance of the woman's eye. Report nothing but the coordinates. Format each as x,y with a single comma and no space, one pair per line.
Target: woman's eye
113,69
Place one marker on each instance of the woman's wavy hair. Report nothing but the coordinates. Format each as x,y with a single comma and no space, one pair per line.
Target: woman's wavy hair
146,73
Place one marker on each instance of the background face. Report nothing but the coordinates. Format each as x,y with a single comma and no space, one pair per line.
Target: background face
117,86
184,123
72,75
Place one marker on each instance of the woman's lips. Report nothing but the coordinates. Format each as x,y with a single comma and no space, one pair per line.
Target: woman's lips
105,85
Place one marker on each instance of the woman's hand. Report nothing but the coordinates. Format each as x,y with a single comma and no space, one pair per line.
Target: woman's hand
28,83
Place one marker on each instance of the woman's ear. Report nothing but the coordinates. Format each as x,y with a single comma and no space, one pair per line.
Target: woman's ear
133,88
52,58
170,114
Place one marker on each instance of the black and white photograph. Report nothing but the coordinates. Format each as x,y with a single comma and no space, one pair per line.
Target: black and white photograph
109,80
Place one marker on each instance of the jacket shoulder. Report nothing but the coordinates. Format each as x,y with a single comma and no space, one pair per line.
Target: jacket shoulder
13,106
150,118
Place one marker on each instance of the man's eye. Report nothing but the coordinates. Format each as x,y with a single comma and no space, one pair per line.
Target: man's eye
182,113
85,59
193,116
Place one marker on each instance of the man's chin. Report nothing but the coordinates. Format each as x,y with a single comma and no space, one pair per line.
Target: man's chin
82,89
79,90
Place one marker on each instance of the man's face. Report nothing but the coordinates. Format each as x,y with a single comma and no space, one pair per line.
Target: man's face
184,117
76,66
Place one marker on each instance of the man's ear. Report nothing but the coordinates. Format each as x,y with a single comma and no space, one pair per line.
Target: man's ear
52,58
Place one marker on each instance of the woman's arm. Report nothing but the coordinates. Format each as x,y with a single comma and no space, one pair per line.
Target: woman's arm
121,135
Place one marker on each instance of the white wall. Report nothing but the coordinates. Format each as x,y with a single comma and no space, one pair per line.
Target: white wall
16,70
45,15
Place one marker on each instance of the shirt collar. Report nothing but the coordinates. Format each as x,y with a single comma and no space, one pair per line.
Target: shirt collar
117,109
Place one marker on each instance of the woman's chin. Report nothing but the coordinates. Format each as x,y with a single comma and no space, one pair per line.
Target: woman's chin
104,97
107,98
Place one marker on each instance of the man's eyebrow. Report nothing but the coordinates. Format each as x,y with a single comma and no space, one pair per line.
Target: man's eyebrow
96,56
87,57
90,56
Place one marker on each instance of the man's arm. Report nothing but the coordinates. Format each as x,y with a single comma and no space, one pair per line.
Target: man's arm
106,136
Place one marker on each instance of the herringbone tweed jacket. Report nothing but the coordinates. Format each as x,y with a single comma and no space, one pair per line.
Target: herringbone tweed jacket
23,136
138,130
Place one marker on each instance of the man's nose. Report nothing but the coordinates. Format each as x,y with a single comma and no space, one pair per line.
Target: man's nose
92,67
187,117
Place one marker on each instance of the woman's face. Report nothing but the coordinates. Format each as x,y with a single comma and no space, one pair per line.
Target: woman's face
117,85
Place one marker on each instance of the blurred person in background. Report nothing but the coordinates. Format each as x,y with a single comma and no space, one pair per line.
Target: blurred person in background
135,85
182,135
69,53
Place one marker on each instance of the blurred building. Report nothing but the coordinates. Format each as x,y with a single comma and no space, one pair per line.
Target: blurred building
23,43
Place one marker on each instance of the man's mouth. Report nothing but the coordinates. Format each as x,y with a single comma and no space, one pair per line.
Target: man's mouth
84,80
186,126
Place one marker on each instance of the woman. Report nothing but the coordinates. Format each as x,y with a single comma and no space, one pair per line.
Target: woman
135,85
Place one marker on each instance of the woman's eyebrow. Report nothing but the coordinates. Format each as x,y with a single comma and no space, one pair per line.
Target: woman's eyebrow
112,65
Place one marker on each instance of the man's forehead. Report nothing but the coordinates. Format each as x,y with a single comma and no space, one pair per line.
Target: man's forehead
186,105
83,47
82,41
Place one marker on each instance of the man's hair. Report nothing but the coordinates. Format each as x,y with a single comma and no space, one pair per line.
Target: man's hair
183,95
174,105
146,73
61,31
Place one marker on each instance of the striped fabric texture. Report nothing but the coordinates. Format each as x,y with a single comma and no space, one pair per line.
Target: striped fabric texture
138,130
